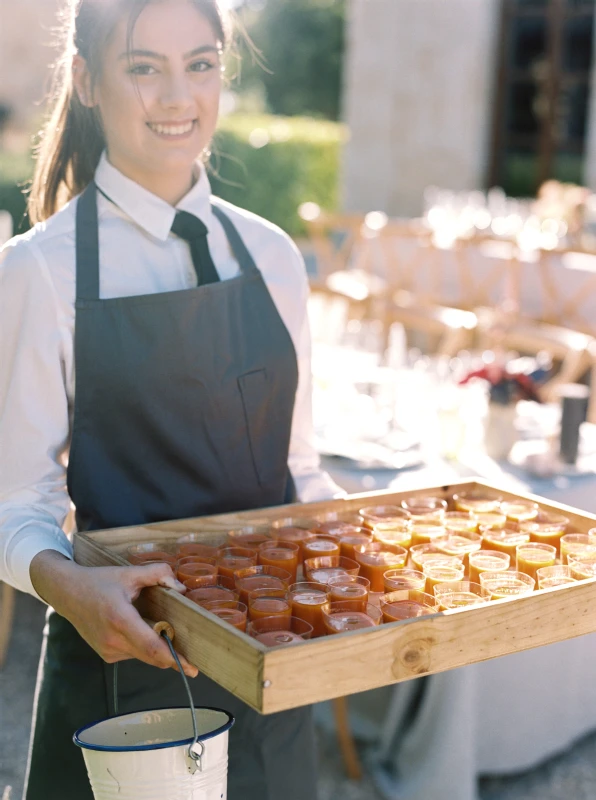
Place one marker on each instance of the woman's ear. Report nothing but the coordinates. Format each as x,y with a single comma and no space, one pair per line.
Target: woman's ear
81,80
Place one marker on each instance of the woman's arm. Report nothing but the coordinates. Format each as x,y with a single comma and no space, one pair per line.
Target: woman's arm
35,554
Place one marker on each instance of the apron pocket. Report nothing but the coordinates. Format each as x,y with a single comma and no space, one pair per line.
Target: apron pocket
269,459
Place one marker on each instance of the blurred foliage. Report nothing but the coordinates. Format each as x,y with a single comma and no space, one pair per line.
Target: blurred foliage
271,164
520,175
301,43
266,164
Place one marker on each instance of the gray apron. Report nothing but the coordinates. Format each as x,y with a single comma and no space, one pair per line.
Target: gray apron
183,407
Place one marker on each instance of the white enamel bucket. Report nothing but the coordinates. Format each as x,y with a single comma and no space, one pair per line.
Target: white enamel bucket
146,755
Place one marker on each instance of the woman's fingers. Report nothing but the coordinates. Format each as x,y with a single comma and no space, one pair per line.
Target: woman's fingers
153,575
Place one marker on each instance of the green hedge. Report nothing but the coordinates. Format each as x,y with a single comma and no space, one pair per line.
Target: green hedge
266,164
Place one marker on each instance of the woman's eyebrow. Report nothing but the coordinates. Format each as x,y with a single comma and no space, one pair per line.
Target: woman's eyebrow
206,48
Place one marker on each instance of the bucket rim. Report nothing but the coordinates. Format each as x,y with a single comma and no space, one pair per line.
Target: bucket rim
161,746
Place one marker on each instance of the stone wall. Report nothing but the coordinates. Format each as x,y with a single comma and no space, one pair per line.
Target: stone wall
417,98
27,30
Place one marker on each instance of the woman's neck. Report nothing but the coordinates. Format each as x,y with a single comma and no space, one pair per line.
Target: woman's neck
171,186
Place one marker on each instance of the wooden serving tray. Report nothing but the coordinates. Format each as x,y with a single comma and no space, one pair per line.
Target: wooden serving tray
276,679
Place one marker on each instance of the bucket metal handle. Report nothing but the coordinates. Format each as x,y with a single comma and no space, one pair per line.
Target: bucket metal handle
196,749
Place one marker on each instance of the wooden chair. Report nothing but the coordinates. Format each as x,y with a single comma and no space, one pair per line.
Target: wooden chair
7,604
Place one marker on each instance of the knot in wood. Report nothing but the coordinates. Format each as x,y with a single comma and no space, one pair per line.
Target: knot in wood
412,658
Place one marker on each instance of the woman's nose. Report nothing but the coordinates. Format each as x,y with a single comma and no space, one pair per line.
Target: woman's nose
177,91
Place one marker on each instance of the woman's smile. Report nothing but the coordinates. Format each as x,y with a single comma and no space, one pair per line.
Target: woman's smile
175,131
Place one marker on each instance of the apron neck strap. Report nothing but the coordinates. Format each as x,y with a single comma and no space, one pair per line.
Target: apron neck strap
87,245
243,257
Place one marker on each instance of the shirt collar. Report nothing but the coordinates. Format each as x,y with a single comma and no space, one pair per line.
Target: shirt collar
147,210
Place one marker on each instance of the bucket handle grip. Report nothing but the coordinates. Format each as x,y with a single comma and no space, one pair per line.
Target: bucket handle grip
196,748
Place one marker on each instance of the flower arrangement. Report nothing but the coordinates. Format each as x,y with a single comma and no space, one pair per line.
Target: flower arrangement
508,386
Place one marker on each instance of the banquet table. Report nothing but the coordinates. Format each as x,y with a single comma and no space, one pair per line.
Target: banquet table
432,737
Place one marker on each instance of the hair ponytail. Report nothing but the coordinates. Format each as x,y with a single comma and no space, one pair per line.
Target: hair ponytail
72,140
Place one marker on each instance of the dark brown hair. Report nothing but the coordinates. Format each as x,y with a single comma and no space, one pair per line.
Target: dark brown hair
72,140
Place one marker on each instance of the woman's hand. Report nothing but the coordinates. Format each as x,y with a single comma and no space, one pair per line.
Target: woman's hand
98,601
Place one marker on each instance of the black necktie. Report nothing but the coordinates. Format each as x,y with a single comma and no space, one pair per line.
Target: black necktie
193,231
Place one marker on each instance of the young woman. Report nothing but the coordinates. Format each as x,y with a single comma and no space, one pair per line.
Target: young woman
155,365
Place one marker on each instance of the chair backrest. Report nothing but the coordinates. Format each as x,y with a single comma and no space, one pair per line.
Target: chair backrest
333,239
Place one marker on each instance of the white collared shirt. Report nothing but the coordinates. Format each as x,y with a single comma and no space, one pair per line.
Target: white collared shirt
37,382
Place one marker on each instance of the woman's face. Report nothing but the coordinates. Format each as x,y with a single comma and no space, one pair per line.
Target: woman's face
159,102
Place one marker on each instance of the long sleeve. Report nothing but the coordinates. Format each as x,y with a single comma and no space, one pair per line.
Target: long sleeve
34,417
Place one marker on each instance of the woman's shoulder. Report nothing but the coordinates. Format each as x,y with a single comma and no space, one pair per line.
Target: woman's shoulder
42,244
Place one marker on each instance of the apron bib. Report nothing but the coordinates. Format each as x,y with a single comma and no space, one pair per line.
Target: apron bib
183,407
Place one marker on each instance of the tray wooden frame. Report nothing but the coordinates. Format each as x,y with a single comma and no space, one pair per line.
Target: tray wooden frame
276,679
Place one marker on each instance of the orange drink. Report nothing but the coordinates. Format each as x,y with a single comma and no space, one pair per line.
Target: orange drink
462,594
476,502
492,519
417,551
306,600
487,561
339,617
532,556
320,546
519,510
207,594
438,573
150,552
293,529
547,528
548,577
395,579
194,560
394,533
376,558
459,545
232,613
582,566
348,541
250,536
231,559
260,577
195,574
373,515
321,569
505,539
431,508
426,532
193,544
592,535
407,604
352,589
268,603
280,554
276,631
337,522
507,584
460,521
575,544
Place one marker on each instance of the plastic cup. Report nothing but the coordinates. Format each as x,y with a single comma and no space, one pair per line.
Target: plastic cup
268,603
376,558
575,544
193,574
427,507
417,551
402,579
231,559
547,528
455,521
348,541
519,510
150,553
352,589
491,519
306,600
232,613
207,594
476,502
335,523
425,532
440,574
250,536
533,556
278,631
321,569
280,554
549,577
373,515
507,584
592,535
399,533
505,539
582,566
460,595
487,561
339,617
195,560
459,545
320,546
193,544
260,577
407,604
293,529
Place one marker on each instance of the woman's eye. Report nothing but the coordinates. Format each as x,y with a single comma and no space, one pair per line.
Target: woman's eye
142,69
201,66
